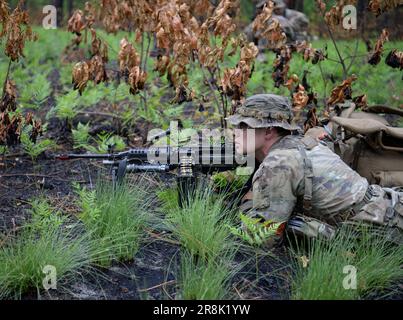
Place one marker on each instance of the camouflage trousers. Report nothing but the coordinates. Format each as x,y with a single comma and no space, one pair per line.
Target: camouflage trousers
381,207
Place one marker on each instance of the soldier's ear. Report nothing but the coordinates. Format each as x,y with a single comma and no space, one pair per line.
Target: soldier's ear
269,130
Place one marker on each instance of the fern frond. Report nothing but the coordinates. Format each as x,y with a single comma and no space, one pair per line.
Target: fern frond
88,203
253,231
81,135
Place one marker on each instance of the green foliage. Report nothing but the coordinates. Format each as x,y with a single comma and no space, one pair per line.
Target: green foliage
104,140
44,241
128,115
119,93
200,225
81,135
229,181
370,78
66,106
65,75
69,104
169,199
3,150
35,93
91,96
377,261
90,210
253,231
115,219
206,280
43,215
35,149
208,249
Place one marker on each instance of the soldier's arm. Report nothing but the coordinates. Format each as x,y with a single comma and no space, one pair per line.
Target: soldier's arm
275,187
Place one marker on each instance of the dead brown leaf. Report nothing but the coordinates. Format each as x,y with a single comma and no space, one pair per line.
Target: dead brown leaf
341,92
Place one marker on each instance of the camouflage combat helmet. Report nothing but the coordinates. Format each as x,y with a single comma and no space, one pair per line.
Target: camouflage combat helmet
264,111
278,4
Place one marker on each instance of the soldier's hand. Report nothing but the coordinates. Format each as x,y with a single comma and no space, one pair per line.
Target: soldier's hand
318,133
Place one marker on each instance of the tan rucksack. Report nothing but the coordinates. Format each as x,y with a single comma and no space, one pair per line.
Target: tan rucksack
367,143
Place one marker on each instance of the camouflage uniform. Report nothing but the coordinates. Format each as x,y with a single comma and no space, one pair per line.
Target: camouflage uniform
303,177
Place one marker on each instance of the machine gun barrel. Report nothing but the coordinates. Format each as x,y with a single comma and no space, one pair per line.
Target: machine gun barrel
203,155
187,161
138,153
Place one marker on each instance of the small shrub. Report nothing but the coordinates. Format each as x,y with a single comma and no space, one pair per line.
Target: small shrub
66,107
35,149
114,218
47,240
253,231
206,280
320,275
201,224
37,92
81,135
104,141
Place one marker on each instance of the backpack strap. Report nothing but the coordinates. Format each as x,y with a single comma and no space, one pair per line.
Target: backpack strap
307,143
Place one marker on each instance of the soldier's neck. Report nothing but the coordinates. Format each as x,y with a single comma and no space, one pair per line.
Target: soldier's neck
262,153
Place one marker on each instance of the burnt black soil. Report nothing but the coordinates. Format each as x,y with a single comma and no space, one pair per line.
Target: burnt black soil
152,271
151,274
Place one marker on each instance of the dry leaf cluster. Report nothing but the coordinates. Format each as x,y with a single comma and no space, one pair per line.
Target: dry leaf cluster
282,65
93,69
235,79
395,59
269,28
376,55
185,32
334,16
309,53
341,92
380,6
16,30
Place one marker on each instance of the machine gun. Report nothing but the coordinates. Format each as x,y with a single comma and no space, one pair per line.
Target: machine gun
188,161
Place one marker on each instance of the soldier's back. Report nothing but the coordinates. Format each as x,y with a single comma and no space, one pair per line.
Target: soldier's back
335,186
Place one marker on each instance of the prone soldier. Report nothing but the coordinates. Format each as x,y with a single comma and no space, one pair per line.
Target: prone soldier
300,184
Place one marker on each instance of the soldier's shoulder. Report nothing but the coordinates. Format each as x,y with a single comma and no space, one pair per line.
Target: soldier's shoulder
285,153
288,142
278,162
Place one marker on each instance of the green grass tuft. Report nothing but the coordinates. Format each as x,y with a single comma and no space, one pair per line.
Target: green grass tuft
115,220
206,280
201,225
49,239
377,261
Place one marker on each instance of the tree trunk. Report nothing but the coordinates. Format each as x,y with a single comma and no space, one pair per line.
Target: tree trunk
299,5
70,6
290,4
59,6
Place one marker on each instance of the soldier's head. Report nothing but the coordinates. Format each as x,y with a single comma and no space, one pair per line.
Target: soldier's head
279,6
267,116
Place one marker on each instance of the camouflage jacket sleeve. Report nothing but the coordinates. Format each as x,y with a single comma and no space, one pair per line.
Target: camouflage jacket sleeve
276,185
